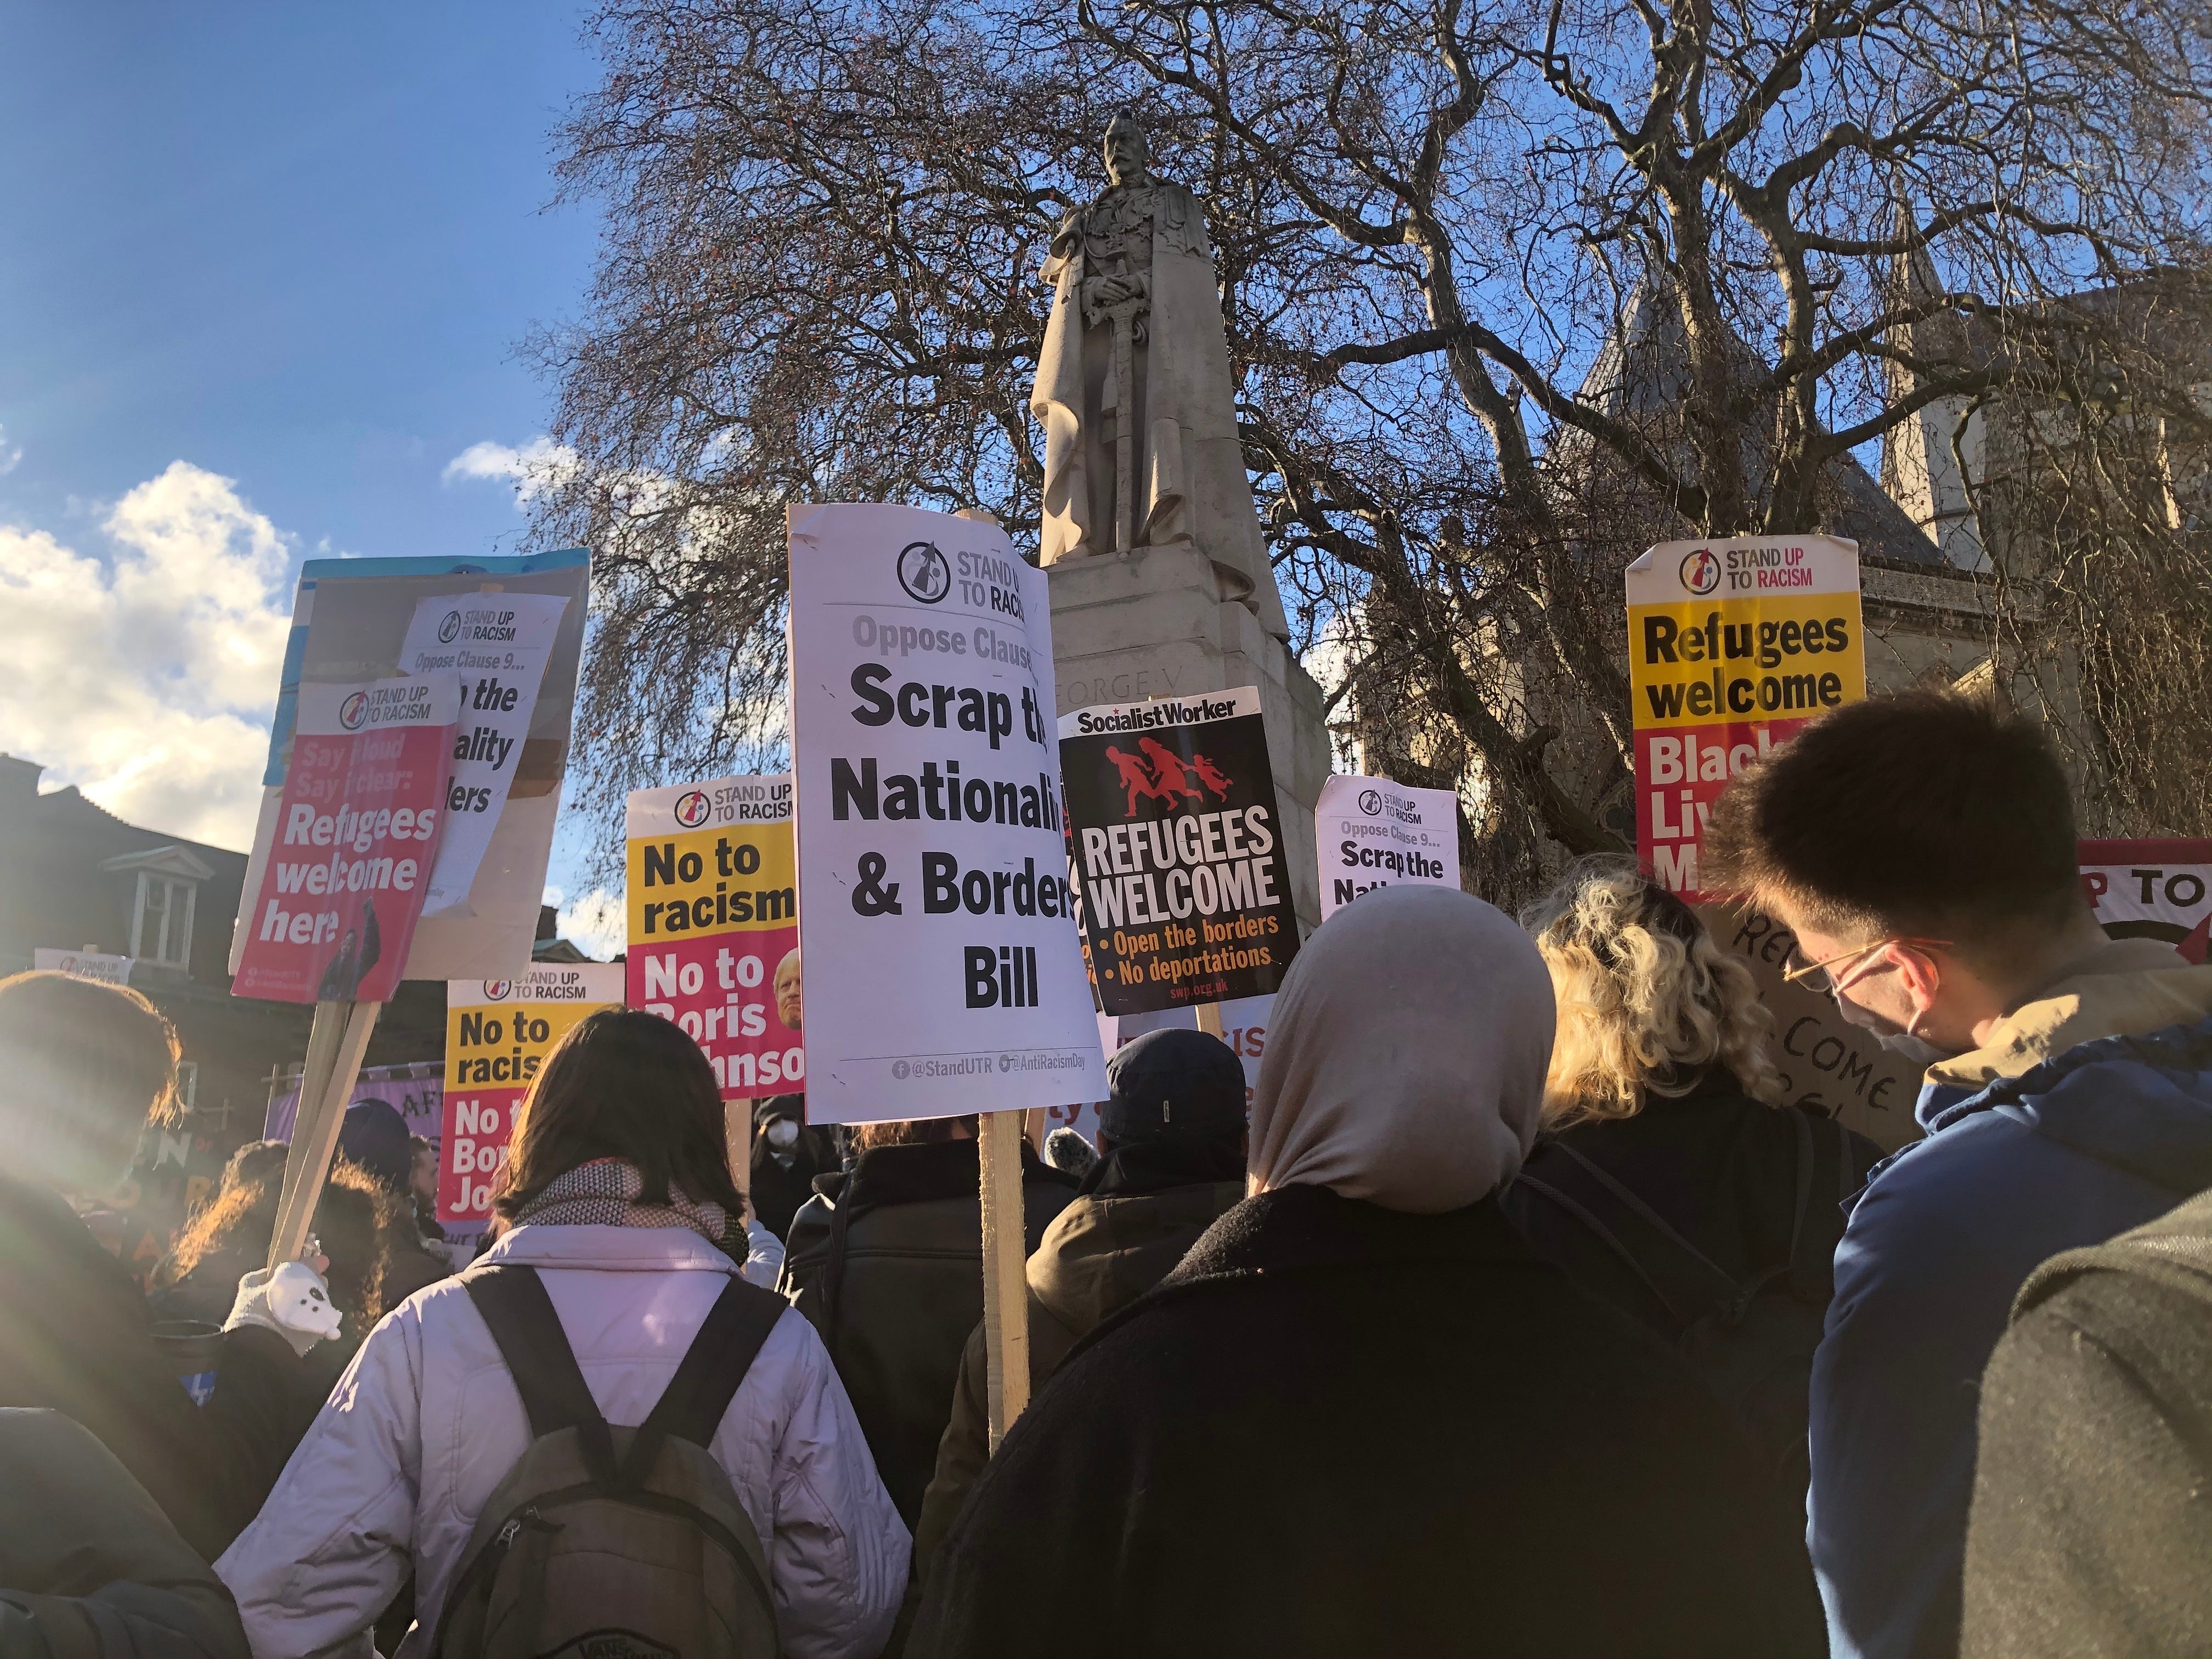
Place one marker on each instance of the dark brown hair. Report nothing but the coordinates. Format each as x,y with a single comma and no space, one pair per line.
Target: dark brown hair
1923,813
351,1217
622,1085
83,1067
256,1160
918,1132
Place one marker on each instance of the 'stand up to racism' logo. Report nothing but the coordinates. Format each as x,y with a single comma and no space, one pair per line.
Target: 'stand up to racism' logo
923,572
692,807
353,711
449,630
495,990
1370,802
1701,570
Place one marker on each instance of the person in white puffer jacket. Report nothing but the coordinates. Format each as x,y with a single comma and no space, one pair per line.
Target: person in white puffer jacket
426,1422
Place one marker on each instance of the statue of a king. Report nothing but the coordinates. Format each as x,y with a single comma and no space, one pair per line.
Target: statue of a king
1133,387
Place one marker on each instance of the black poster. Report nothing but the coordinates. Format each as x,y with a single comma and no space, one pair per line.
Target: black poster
1176,851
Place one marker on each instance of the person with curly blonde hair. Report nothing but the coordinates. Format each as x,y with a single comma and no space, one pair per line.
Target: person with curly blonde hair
1648,1002
1672,1178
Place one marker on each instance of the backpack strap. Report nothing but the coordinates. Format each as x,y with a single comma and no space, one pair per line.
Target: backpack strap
524,1323
833,1272
1812,1249
1688,1283
691,1407
1605,1235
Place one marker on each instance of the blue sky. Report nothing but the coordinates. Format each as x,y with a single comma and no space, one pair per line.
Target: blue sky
264,269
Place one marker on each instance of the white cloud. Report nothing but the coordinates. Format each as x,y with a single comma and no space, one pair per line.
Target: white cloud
596,921
147,677
10,457
538,465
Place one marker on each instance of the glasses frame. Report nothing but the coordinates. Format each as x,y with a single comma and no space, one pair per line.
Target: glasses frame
1835,983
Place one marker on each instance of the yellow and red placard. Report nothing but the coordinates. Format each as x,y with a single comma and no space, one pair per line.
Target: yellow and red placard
1732,647
714,925
498,1032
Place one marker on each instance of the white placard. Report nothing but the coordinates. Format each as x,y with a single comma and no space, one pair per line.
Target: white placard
83,965
497,643
944,971
350,619
1374,833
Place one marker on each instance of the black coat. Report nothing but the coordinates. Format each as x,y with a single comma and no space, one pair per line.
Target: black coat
75,1337
1140,1210
1719,1167
1335,1429
888,1262
780,1181
2092,1526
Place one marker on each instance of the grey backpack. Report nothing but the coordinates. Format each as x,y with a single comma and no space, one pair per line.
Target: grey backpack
613,1543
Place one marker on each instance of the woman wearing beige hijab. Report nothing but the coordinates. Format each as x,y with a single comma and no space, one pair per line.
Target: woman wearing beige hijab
1362,1416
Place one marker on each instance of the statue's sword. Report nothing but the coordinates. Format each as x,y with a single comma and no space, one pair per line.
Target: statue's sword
1121,397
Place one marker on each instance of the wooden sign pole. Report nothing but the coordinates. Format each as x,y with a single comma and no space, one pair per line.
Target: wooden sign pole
1209,1018
1006,1286
336,1043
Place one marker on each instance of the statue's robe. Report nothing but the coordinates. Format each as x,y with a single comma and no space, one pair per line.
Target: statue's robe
1190,485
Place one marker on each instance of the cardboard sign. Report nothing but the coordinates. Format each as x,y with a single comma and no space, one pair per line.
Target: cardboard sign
350,623
358,824
498,1033
1827,1063
83,965
1732,647
1186,893
714,925
498,644
932,900
1374,833
2159,889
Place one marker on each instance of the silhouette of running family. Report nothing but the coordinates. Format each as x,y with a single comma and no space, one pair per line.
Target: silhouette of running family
1170,777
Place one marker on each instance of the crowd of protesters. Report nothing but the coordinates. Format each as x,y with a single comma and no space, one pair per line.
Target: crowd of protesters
1517,1312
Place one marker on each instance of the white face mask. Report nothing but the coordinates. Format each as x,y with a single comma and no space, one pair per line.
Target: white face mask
782,1133
1899,1040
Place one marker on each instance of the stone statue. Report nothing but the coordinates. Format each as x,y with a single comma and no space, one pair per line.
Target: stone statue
1133,389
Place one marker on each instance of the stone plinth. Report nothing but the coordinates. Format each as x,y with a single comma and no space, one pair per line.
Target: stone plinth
1152,624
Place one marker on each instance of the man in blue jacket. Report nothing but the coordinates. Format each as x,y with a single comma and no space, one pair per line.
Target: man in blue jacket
1922,849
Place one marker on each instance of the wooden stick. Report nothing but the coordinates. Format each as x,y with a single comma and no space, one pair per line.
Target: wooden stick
321,1116
1209,1017
323,1038
1006,1286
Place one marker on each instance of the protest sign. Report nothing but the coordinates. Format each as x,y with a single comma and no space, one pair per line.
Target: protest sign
714,925
1732,647
933,907
1374,833
1186,894
498,1033
83,965
350,623
358,825
2160,890
1828,1064
498,644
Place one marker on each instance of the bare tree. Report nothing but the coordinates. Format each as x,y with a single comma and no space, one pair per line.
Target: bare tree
826,220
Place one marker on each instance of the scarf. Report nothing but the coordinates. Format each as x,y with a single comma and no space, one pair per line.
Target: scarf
1406,1054
604,1193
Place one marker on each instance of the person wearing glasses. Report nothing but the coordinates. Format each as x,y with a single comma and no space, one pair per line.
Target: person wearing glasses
1921,847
